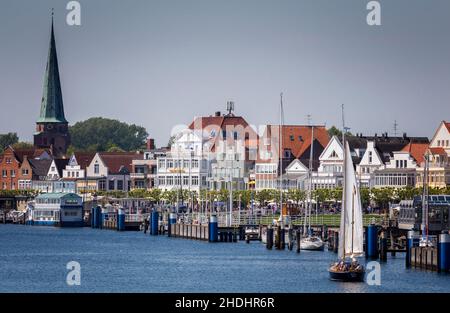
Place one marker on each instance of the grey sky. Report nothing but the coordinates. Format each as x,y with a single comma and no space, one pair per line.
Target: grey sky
160,63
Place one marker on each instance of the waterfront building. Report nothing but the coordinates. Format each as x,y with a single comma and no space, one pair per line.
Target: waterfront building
400,164
57,209
229,148
52,130
75,171
438,168
16,172
185,165
110,171
144,171
296,147
441,138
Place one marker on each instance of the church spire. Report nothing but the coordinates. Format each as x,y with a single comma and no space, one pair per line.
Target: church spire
52,108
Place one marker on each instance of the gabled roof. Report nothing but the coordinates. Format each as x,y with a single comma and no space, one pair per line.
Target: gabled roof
416,150
297,138
437,151
84,158
40,167
214,125
116,162
60,165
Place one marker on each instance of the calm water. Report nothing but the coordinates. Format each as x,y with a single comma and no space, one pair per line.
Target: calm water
33,259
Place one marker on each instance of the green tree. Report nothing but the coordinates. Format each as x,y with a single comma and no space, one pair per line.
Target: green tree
100,134
7,140
365,197
296,195
334,131
22,145
263,196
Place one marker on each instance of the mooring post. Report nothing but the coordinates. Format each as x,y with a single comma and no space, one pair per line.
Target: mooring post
383,246
444,252
336,242
412,240
213,229
372,241
120,220
269,238
154,220
298,239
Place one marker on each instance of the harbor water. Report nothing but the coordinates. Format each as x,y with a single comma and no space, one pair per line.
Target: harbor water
34,259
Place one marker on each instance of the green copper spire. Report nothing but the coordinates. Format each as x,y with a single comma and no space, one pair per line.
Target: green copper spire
52,108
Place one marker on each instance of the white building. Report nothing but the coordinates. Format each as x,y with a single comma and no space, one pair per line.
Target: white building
441,138
110,171
185,166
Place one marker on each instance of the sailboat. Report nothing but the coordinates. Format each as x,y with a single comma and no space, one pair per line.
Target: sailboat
309,241
351,228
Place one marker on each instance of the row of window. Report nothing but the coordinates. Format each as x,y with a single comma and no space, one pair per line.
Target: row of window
177,163
175,180
266,168
395,179
443,143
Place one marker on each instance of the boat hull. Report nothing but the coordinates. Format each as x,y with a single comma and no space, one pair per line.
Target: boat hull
347,276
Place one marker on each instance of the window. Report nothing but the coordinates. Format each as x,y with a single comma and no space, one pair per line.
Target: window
96,169
13,173
224,134
195,180
170,163
162,180
195,163
111,185
162,163
169,180
4,173
8,160
120,185
235,135
370,157
291,137
185,163
24,171
333,154
185,180
438,142
446,143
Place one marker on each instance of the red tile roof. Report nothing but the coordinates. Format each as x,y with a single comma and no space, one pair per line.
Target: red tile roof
297,138
438,150
208,124
84,158
416,150
115,160
447,124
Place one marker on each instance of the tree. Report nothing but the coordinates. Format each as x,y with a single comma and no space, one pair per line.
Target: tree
22,145
263,196
296,195
334,131
101,134
7,140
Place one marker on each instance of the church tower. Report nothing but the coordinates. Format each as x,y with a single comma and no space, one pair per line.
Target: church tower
52,129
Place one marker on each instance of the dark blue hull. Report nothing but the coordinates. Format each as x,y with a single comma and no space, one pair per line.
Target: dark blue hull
347,276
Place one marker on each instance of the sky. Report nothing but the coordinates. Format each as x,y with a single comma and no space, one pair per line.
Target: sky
160,63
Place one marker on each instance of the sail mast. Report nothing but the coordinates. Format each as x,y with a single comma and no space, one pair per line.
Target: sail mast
281,158
342,232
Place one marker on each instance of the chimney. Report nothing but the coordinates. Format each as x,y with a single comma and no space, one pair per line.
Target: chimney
150,144
217,114
405,136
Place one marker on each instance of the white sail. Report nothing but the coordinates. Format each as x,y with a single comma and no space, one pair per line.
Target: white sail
351,228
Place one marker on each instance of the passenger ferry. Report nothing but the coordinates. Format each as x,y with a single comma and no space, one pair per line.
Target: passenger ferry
56,209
